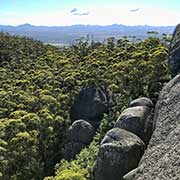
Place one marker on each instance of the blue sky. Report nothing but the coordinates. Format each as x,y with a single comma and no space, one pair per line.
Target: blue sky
102,12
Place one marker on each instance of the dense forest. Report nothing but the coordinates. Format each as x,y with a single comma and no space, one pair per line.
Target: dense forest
38,84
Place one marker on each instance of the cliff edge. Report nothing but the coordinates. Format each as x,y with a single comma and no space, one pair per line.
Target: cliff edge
162,158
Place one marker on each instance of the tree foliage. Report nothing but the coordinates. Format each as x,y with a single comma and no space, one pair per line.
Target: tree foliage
38,84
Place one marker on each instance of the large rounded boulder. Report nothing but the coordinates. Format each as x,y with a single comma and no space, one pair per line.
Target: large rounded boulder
79,135
143,101
120,152
81,131
90,104
138,120
174,53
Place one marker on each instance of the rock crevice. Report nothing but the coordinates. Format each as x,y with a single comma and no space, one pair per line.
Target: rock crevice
162,158
123,146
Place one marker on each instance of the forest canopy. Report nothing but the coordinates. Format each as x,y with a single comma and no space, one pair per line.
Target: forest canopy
38,84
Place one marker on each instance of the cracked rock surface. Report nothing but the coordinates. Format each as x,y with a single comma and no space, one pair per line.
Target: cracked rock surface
119,153
161,160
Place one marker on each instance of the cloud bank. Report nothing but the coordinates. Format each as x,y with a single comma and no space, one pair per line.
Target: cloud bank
134,10
78,12
73,10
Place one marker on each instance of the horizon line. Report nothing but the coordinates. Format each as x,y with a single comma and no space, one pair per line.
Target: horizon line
28,24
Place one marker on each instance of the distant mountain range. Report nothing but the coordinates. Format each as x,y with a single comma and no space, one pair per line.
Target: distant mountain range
65,35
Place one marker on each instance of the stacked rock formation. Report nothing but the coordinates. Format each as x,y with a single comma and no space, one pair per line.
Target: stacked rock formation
162,158
138,119
86,113
90,105
123,146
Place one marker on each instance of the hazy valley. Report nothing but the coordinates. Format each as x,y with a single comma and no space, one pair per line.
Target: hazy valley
66,35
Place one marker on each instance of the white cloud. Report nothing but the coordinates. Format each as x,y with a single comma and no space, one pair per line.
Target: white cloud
73,10
81,14
78,12
134,10
101,16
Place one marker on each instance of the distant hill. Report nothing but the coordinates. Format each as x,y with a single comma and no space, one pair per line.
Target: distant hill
65,35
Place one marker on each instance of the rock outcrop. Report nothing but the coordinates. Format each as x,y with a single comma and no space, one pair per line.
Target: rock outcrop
138,120
130,175
122,147
174,53
90,104
143,101
120,151
162,158
81,131
79,135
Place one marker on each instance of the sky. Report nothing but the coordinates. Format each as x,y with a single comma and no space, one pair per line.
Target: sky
90,12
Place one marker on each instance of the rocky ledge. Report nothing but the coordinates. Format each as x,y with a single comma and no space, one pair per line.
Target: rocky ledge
162,158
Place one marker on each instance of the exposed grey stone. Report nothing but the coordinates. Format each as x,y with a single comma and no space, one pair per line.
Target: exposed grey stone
120,152
174,53
71,149
90,104
138,120
130,175
79,135
161,161
143,101
81,131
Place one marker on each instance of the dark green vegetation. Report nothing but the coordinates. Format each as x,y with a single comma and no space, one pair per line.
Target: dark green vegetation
38,84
